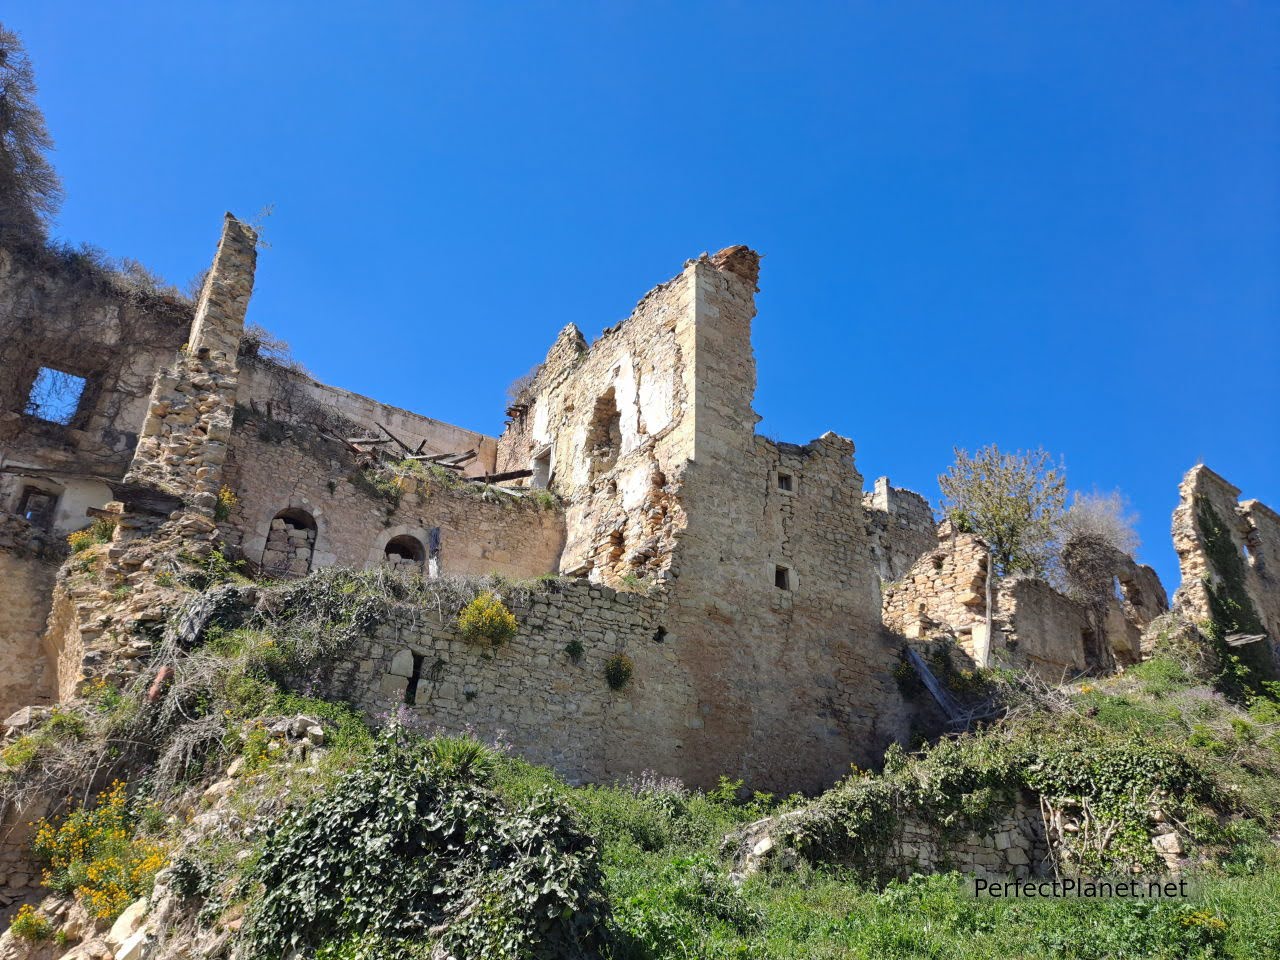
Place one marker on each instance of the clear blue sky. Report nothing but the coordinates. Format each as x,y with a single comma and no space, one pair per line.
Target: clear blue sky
1037,224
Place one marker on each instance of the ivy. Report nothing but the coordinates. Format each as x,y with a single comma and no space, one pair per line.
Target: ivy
427,855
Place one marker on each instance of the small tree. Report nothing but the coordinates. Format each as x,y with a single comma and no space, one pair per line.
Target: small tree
1013,501
30,191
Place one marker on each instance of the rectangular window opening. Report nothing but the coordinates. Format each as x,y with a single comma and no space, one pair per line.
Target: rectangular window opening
55,396
785,482
782,577
37,506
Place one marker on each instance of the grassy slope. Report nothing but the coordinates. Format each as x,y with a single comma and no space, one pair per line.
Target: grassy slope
660,846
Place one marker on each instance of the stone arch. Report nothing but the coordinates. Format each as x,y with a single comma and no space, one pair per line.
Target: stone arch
290,543
404,552
417,540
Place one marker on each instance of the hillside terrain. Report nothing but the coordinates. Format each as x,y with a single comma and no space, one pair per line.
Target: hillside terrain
230,815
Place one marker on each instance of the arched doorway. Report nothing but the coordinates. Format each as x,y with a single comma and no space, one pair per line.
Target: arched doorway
291,543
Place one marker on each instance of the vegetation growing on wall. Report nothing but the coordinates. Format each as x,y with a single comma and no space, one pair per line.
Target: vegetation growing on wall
1231,609
635,870
487,619
618,670
100,531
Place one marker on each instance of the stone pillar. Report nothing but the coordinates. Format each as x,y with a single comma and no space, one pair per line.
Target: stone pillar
219,321
183,441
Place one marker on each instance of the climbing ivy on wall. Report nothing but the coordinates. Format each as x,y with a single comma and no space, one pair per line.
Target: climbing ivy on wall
1230,606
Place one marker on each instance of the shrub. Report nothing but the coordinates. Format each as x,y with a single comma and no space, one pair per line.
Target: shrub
425,857
487,618
20,753
575,650
618,670
29,925
100,531
94,853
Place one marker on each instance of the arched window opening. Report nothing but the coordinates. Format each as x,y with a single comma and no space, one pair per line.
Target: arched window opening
404,552
291,544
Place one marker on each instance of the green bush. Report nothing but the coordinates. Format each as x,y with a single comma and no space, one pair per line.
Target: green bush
31,926
424,857
618,670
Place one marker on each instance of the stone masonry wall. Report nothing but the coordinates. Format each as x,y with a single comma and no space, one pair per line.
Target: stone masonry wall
946,587
1247,558
68,314
189,416
1012,846
774,592
613,424
274,468
289,395
555,709
901,526
28,567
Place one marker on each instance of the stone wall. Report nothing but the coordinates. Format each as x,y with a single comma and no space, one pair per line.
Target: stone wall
190,411
943,589
66,313
28,567
276,468
761,548
554,708
1014,845
1033,625
290,395
611,428
1229,555
901,526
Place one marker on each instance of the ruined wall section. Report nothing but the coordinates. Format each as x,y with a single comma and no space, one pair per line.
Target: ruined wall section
555,708
1229,555
901,526
29,561
611,429
64,312
290,395
1033,626
275,468
189,416
773,590
943,590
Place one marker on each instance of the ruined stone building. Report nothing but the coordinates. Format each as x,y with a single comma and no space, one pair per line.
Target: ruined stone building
762,597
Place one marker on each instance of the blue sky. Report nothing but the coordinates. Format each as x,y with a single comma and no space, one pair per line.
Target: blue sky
1041,224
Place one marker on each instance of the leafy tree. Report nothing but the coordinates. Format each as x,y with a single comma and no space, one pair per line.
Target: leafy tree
30,191
1014,501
